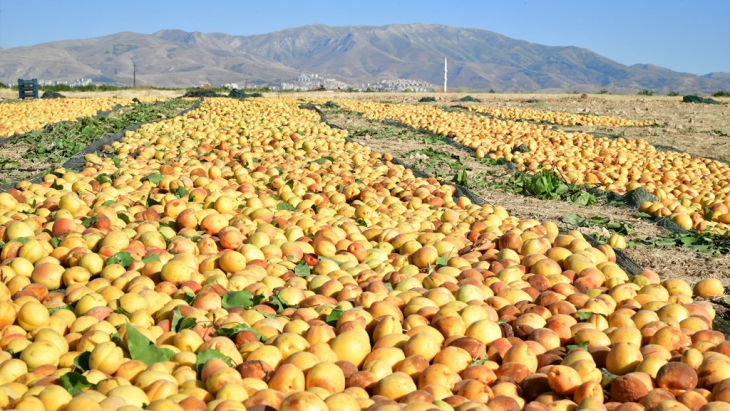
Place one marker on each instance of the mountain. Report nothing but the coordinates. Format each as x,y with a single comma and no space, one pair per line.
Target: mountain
478,59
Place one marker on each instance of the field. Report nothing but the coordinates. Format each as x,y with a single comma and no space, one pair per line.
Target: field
232,254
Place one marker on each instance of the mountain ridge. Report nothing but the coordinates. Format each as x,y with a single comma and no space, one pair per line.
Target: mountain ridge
478,59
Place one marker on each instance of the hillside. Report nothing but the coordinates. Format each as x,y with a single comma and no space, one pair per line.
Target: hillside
478,59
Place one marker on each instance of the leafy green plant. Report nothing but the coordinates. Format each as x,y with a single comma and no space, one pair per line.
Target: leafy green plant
618,227
704,242
460,178
722,93
646,92
546,185
674,94
440,164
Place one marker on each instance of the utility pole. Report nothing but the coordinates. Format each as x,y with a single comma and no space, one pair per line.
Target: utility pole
446,70
245,84
134,81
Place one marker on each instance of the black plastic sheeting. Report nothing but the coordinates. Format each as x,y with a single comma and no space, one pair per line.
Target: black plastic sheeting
699,100
622,260
77,161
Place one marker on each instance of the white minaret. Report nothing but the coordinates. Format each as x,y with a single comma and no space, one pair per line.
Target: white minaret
446,70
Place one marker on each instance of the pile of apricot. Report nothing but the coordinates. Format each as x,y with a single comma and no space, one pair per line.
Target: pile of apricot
686,186
244,256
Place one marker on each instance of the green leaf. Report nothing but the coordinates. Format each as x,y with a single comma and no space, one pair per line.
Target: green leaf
584,198
55,242
389,286
241,299
81,362
121,311
151,258
334,315
63,307
107,203
154,178
442,261
188,297
122,258
117,161
231,332
151,201
279,302
362,223
708,214
89,222
206,355
460,178
584,315
56,186
22,240
74,382
607,377
142,349
103,178
285,206
180,192
124,217
323,258
322,160
480,361
640,214
302,269
170,224
179,322
583,345
573,220
264,313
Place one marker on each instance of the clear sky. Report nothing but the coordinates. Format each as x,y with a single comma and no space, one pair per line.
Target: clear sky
683,35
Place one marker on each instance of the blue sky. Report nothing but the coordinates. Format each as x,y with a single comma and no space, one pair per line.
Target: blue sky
684,35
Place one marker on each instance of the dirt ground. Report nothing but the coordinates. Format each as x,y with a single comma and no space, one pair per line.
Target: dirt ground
669,263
